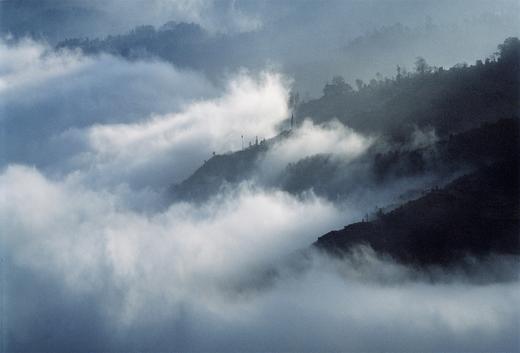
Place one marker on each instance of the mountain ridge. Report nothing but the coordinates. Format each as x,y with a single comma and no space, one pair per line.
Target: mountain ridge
478,214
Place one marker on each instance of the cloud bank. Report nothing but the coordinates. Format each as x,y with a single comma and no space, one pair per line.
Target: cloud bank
147,121
200,277
48,96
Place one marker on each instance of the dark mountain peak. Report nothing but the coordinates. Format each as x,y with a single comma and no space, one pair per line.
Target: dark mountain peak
475,215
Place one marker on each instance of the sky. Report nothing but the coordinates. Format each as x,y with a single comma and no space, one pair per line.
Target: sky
311,42
95,259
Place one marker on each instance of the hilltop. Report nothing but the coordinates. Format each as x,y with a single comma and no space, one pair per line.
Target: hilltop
447,100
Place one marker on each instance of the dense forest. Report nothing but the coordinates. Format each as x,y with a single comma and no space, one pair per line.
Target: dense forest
477,215
449,100
472,110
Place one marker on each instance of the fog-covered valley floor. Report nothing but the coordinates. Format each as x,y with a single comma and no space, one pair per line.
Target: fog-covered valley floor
158,199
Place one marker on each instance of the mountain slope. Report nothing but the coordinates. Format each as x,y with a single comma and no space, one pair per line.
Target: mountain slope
222,169
477,214
450,101
332,178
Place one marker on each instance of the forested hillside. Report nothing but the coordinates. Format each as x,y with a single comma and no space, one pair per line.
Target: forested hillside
433,123
477,215
448,100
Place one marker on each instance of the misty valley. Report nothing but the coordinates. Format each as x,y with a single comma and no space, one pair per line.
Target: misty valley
262,176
